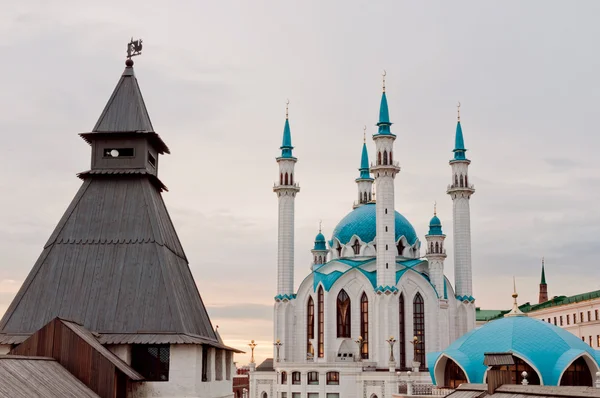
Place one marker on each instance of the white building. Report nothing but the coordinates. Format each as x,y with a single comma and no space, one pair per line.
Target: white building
371,305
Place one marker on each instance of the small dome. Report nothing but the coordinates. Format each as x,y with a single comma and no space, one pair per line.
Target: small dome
547,348
362,222
320,242
435,226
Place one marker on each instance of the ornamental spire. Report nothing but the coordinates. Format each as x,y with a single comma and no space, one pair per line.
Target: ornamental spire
384,114
515,311
543,282
459,142
364,161
286,145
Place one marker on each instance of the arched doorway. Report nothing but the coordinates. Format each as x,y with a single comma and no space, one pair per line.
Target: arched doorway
453,375
577,374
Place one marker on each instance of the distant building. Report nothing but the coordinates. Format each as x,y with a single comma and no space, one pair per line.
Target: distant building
370,305
112,289
578,314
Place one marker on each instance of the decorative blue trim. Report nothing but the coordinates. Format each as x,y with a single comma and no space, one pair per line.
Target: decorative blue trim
383,289
469,299
283,297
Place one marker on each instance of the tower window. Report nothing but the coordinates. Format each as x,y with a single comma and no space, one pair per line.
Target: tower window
378,158
401,332
390,157
151,361
280,178
419,328
385,158
385,211
386,247
386,228
356,247
437,247
400,248
466,181
118,152
461,181
286,178
386,265
455,180
151,160
291,178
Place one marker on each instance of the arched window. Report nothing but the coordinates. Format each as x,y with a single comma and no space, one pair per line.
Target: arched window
461,181
370,196
400,247
431,247
343,314
453,375
280,178
264,395
455,180
333,378
466,181
364,325
286,179
321,320
356,247
296,378
378,158
385,157
577,374
339,250
419,329
437,247
283,377
291,178
310,327
401,332
365,198
390,157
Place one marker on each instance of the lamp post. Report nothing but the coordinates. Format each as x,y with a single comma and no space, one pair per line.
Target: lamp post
391,341
252,345
360,343
416,364
277,345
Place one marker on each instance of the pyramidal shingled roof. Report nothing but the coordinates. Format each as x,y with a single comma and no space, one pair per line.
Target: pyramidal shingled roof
114,262
125,110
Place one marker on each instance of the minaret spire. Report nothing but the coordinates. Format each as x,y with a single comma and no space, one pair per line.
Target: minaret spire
515,311
543,296
460,191
364,180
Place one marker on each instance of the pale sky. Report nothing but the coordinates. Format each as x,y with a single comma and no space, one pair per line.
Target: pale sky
215,77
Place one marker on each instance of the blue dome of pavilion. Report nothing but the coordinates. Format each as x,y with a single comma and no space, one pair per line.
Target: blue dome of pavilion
362,222
547,348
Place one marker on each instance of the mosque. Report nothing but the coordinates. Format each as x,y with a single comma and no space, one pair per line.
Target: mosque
371,301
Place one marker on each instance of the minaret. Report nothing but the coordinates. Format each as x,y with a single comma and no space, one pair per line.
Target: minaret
436,253
319,250
543,287
460,191
286,192
384,171
364,181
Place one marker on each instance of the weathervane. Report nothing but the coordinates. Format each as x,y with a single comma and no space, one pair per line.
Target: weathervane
134,47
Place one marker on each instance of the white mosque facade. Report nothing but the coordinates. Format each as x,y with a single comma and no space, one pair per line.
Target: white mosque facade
372,305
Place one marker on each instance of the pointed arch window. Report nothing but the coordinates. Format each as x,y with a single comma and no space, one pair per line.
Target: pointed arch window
453,375
577,374
343,314
378,158
419,328
356,247
390,157
431,247
385,158
437,247
461,181
456,180
321,320
466,181
364,325
280,178
400,247
310,327
401,332
286,179
291,178
339,250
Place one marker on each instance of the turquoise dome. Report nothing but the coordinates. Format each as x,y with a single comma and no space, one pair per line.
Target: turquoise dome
548,348
361,222
320,243
435,226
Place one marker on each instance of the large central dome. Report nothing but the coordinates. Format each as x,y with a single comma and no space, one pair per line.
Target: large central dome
362,222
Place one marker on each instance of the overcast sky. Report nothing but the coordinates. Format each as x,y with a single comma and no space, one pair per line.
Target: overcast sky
215,77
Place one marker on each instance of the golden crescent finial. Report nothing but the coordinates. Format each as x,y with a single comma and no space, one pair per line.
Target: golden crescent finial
287,104
384,75
320,225
458,110
365,134
435,208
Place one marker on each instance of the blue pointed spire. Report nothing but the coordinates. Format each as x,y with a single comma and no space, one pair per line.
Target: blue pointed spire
286,146
384,113
459,142
364,163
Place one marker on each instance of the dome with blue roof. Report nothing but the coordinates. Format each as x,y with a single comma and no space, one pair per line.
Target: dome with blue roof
547,348
320,243
362,223
435,226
